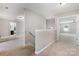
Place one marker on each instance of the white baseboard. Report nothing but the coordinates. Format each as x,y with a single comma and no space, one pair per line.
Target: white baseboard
37,52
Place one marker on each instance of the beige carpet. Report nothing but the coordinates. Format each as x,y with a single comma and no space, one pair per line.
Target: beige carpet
61,48
22,51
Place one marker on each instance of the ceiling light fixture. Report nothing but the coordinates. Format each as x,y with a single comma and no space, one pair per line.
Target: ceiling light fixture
20,18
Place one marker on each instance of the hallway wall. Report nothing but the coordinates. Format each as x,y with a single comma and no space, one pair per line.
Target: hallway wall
4,27
33,21
5,31
20,27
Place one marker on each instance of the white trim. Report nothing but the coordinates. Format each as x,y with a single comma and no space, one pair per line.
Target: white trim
37,52
68,34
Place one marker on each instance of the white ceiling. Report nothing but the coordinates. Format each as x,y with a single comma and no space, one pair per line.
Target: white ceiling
51,9
44,9
12,12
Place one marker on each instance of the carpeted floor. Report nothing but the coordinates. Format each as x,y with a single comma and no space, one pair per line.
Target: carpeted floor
61,48
22,51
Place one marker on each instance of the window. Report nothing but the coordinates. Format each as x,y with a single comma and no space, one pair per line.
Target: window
66,28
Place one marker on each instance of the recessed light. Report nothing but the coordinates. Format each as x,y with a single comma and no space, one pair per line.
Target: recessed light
6,7
62,4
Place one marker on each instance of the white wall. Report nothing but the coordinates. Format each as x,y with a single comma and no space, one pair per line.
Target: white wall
20,27
4,27
34,21
5,31
77,22
50,23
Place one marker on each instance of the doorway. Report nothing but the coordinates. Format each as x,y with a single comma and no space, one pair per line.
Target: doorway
68,29
12,28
